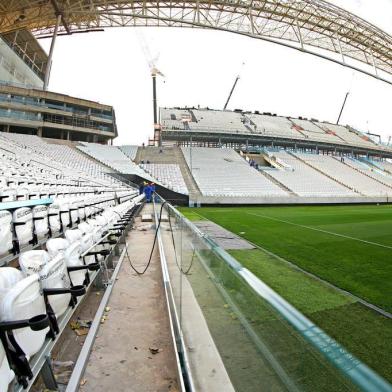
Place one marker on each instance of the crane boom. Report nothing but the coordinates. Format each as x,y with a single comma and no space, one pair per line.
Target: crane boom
232,89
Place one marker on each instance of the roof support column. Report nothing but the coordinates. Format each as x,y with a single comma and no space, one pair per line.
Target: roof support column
49,64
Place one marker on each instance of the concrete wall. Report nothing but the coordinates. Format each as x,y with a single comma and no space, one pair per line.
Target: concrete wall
14,70
202,200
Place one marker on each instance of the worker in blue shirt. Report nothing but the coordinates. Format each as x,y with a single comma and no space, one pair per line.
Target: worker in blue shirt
147,192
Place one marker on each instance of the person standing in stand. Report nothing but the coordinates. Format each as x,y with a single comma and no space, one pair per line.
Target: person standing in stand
147,192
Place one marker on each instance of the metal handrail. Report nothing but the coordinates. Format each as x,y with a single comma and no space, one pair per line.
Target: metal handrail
346,363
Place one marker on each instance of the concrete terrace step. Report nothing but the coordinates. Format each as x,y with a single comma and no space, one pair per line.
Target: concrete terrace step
324,174
193,189
278,183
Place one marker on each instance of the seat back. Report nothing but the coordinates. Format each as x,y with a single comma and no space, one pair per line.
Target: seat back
54,275
56,245
74,211
23,222
64,213
23,301
32,261
40,219
54,218
8,194
73,235
5,232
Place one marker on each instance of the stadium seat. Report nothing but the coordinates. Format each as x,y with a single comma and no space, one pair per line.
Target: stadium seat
40,219
54,279
54,218
77,269
5,232
23,223
23,321
8,194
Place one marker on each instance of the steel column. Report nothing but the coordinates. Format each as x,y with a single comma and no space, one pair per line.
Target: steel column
49,63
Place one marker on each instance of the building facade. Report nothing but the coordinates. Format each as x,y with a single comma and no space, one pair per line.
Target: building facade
26,108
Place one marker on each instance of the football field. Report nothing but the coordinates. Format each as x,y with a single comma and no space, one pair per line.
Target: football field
349,247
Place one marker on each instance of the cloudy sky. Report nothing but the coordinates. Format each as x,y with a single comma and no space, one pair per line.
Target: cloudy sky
200,67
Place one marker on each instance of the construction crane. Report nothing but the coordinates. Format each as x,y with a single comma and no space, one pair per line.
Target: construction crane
151,61
234,85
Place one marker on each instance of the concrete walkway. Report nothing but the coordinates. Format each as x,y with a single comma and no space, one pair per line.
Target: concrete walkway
121,359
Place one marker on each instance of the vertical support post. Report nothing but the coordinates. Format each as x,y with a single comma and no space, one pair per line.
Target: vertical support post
299,34
341,110
190,157
340,49
154,98
374,63
48,376
50,57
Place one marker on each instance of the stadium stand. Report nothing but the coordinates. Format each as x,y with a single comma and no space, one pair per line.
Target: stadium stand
274,126
167,174
264,126
42,290
303,179
114,158
377,174
222,172
218,120
51,159
345,174
173,118
129,151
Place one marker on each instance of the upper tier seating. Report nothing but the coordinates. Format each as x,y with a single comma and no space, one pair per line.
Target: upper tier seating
167,174
315,132
274,126
304,180
129,151
173,118
222,172
224,121
217,120
31,168
345,174
113,157
350,137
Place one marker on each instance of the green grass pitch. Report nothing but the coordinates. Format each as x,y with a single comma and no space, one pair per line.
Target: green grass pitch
348,246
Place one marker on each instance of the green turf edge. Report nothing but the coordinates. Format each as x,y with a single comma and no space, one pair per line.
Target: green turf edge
359,268
191,214
362,331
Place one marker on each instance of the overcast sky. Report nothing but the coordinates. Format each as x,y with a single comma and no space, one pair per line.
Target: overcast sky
200,68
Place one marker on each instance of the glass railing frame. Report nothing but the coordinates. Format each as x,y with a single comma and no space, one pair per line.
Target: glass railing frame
342,360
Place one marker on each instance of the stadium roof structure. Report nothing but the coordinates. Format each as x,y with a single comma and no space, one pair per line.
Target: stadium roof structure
312,26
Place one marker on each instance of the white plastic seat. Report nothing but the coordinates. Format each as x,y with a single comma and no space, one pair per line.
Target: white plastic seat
53,275
23,223
5,232
81,210
74,211
72,254
24,301
22,194
8,194
64,213
40,219
54,218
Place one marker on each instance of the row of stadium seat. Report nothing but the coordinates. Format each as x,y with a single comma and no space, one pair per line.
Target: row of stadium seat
49,282
28,226
31,157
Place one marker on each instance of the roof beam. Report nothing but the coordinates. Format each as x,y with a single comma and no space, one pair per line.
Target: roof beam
59,12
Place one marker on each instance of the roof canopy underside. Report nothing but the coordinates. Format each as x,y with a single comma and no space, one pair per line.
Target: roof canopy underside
313,26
